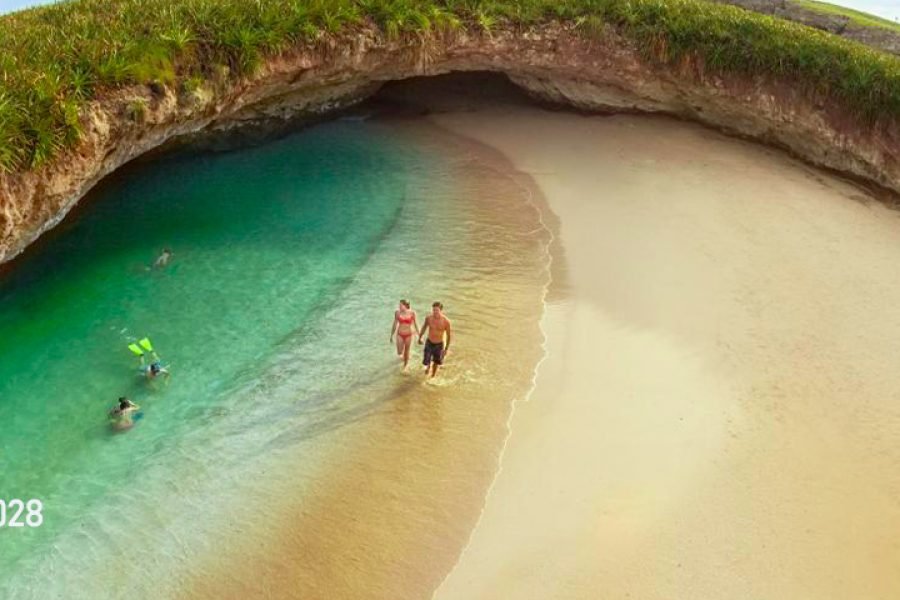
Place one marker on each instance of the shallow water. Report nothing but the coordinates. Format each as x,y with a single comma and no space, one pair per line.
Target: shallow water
261,243
717,413
273,318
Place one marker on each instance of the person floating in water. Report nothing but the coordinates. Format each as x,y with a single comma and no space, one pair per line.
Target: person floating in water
163,259
122,414
155,368
404,324
436,324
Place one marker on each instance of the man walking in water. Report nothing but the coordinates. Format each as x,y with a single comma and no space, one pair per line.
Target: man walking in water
436,324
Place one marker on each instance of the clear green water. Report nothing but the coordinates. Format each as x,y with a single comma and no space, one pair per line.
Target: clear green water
267,241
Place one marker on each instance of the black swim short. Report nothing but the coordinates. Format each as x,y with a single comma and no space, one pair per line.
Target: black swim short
433,352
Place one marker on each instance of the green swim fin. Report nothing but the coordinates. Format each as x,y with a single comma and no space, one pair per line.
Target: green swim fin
145,344
134,348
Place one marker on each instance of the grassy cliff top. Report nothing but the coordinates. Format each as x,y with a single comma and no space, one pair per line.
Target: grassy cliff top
55,58
855,16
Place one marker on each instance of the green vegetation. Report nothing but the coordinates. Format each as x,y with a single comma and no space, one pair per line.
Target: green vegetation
137,110
54,59
860,18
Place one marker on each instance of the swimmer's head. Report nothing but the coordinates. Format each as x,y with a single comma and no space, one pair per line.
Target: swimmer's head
123,403
404,303
155,367
436,308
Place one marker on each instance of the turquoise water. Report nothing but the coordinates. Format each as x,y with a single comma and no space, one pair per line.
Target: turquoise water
273,317
264,241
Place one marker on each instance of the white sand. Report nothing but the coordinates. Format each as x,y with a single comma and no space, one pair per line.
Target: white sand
718,415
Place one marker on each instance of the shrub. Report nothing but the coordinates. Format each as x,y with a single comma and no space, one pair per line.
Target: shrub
137,110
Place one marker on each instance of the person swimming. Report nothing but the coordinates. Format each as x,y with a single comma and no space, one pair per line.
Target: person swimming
122,414
163,259
155,368
125,406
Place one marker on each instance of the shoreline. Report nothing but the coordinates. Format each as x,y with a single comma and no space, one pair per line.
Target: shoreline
391,509
530,185
614,504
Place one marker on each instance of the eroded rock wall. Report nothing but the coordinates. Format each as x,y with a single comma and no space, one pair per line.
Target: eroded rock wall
553,63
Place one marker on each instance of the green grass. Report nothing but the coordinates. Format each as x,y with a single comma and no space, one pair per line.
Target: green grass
54,59
860,18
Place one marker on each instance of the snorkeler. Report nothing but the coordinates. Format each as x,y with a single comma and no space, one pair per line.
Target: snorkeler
163,259
122,415
155,368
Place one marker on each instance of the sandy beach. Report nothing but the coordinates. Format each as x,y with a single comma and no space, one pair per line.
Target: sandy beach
717,414
416,300
380,498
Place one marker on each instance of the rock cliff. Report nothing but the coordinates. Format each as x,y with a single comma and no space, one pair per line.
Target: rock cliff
552,63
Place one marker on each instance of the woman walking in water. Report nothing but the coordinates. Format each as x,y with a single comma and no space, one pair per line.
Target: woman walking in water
403,326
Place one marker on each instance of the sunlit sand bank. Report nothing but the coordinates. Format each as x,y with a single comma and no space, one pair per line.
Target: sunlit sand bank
717,415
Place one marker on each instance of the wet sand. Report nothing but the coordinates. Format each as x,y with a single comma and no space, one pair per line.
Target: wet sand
399,481
718,413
